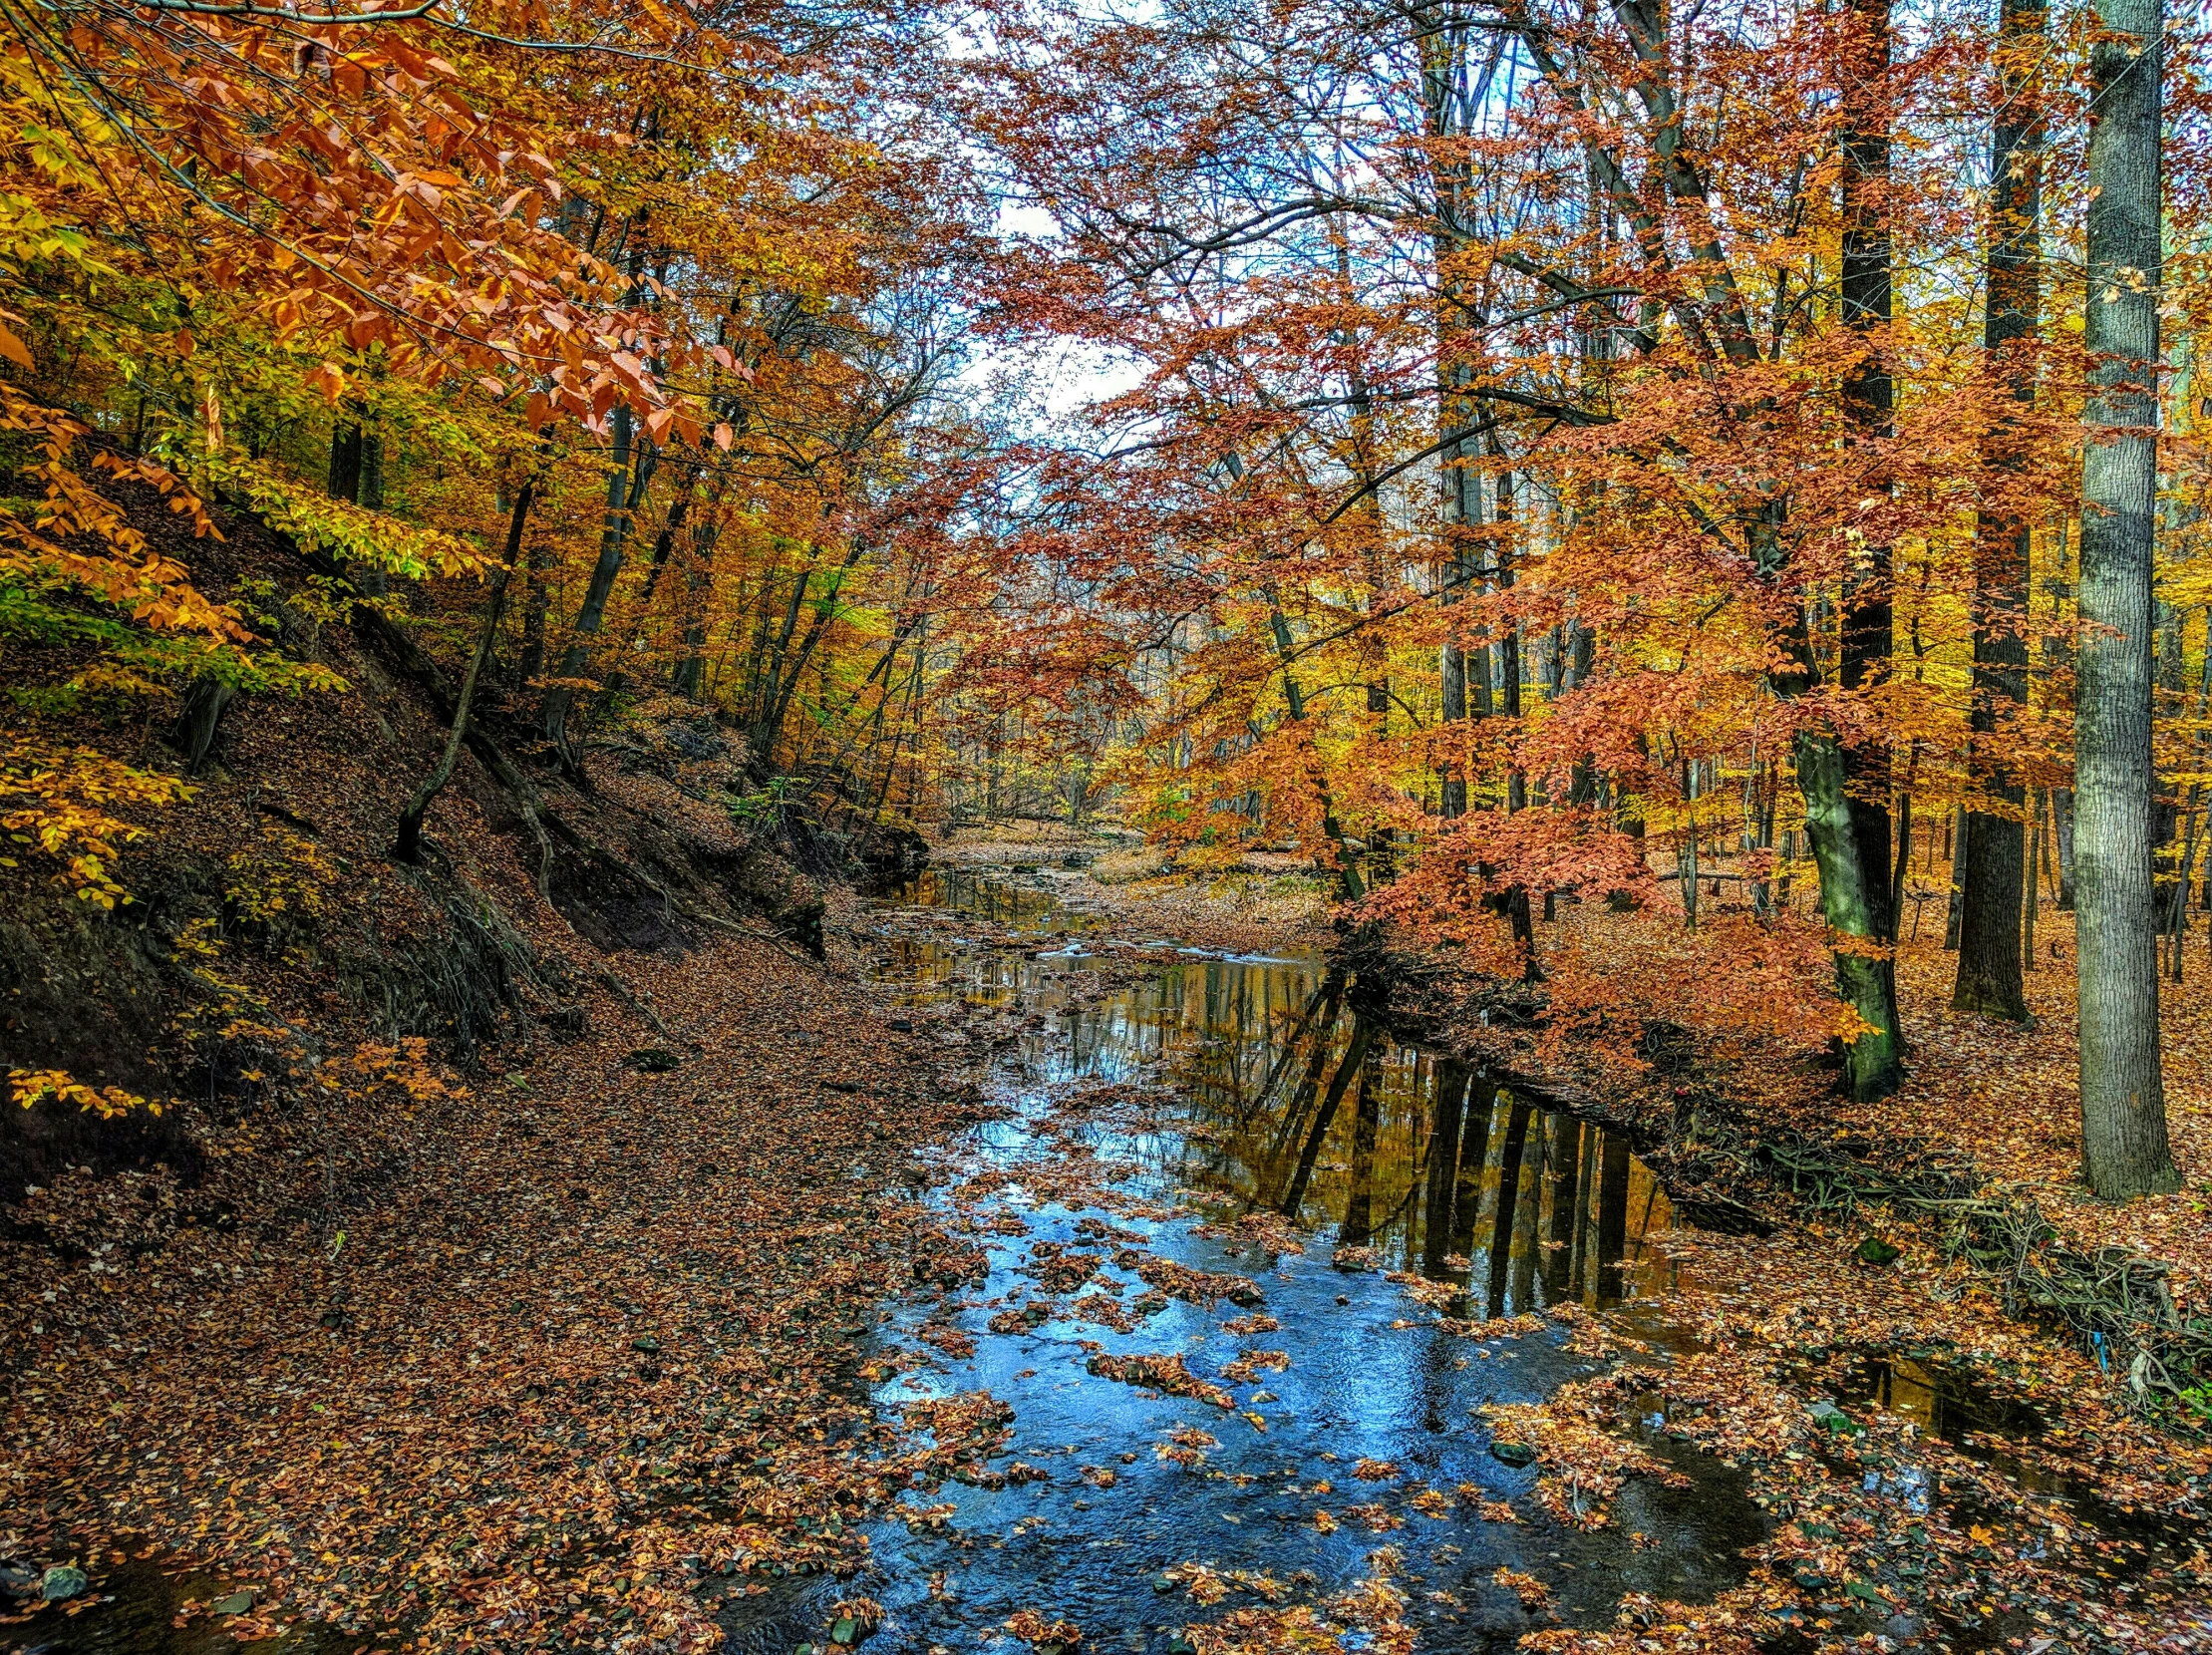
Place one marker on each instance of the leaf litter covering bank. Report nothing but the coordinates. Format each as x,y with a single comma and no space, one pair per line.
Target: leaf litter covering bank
2046,1521
590,1346
1739,1115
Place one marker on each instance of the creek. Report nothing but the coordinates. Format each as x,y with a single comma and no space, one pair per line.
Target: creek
1148,1099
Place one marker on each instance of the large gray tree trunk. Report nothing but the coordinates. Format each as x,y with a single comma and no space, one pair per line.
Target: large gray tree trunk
2123,1105
1989,977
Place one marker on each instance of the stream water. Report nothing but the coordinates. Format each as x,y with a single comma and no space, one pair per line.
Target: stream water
1228,1087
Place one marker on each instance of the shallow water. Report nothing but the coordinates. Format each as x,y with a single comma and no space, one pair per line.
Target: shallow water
1213,1087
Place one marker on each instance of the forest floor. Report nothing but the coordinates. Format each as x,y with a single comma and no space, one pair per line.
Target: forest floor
2009,1094
589,1331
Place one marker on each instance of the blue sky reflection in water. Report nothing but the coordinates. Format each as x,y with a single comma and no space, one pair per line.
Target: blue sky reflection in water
1206,1083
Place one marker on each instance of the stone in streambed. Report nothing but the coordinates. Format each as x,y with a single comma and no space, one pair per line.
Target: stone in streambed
62,1582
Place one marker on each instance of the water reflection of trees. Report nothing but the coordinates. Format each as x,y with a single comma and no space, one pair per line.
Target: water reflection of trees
1289,1101
1313,1111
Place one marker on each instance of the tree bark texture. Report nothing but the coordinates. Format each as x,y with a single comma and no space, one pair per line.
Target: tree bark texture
2123,1105
1990,963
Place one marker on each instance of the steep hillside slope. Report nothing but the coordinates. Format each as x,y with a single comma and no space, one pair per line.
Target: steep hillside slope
270,936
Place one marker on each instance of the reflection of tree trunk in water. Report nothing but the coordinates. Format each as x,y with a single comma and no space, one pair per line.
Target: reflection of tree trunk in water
1612,1214
1509,1201
1565,1167
1308,1084
1578,1272
1332,986
1528,1225
1474,1155
1444,1165
1359,1222
1295,1198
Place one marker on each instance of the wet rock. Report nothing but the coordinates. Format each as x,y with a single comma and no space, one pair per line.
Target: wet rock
62,1582
16,1578
645,1342
1823,1412
237,1603
653,1059
853,1623
1874,1251
1514,1453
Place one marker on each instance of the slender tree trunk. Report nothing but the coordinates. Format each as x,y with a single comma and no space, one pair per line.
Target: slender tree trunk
1611,1215
1442,50
626,485
1362,1035
1582,785
357,475
1452,788
1870,1059
1474,1156
1903,865
537,599
2123,1103
1508,1202
2177,913
1990,963
1564,1168
344,481
1444,1165
1865,291
408,846
372,472
1367,1115
1509,636
2062,833
1294,695
2034,888
1956,905
1317,1065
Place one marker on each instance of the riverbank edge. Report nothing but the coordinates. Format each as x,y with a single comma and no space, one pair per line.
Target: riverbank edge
1726,1170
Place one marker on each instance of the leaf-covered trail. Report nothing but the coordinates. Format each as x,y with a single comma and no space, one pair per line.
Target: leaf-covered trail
576,1339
